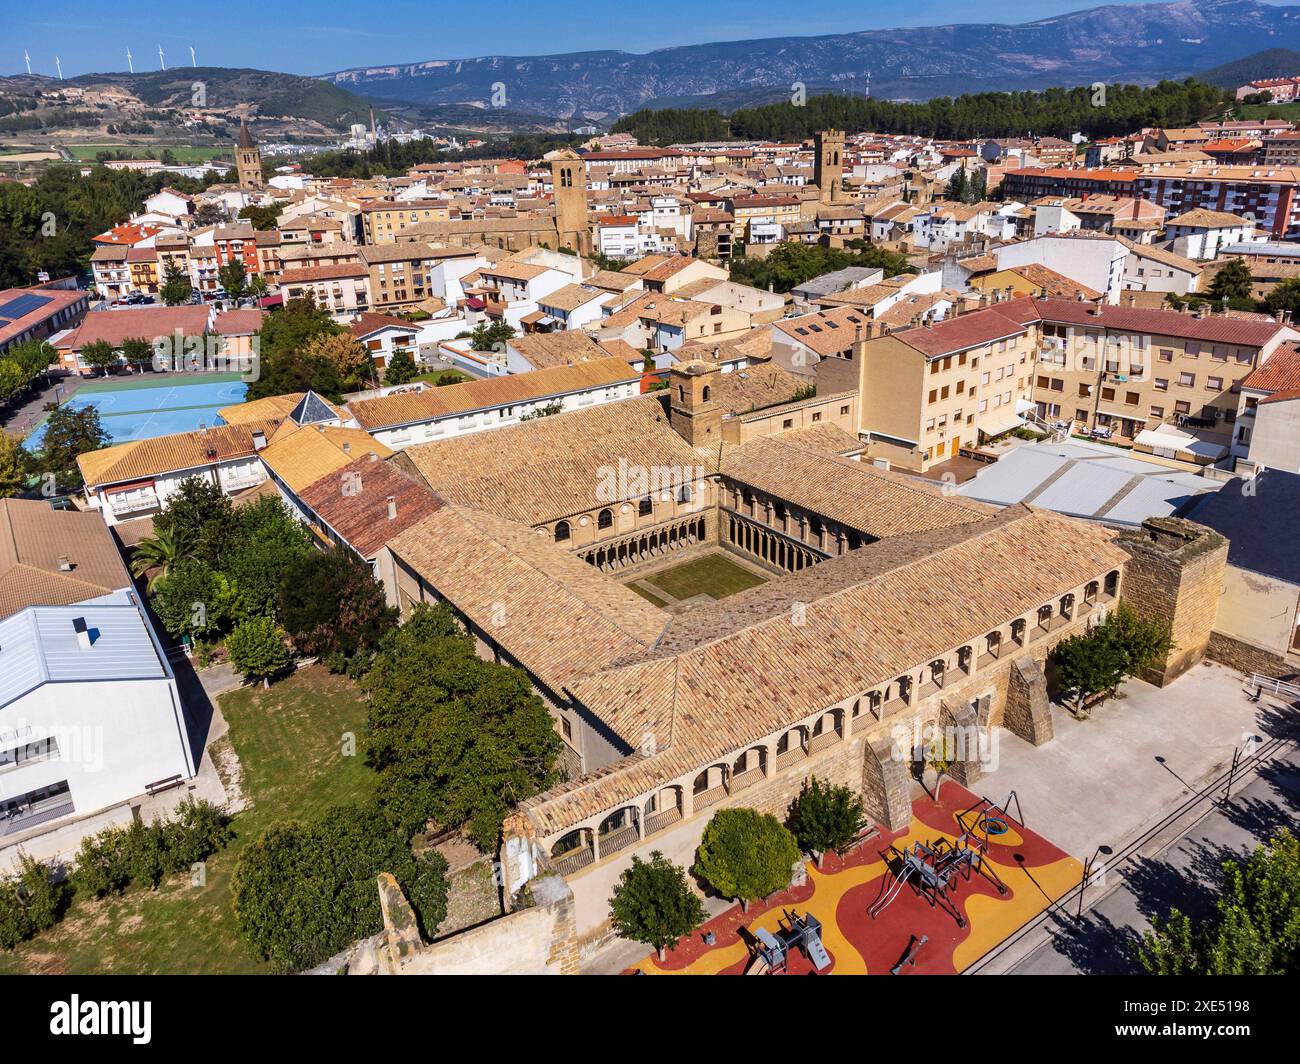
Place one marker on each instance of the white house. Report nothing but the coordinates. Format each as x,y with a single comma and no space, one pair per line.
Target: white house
1202,234
1097,262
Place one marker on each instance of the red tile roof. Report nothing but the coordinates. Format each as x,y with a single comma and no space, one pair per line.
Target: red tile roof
360,515
1279,373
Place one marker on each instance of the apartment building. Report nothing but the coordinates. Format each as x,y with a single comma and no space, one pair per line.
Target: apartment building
398,274
927,393
1263,195
383,220
343,289
1121,371
1032,183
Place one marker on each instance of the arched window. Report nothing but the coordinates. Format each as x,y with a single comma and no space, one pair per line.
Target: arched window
561,531
605,519
645,507
684,493
706,393
681,394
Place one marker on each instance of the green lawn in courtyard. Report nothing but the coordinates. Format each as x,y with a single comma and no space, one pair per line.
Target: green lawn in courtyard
289,741
712,574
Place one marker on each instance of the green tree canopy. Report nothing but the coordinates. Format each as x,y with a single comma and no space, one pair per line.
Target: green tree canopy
1233,281
790,265
1255,926
176,288
193,600
454,738
100,354
330,603
69,432
401,369
825,817
746,854
201,519
257,648
653,903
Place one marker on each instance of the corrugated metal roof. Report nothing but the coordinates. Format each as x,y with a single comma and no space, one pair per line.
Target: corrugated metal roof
39,645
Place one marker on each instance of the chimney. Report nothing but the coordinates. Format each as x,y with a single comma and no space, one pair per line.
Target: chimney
392,508
65,566
83,632
373,456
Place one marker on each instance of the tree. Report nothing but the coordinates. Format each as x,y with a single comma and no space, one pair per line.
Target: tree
1233,281
258,287
304,890
233,277
654,904
138,352
257,649
485,337
745,854
454,739
15,463
155,555
100,354
1255,926
401,369
69,432
269,541
330,603
1122,645
202,521
825,817
192,600
263,218
285,365
1285,296
957,188
176,288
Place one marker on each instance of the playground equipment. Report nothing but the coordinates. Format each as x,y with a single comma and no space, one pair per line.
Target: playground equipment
986,819
802,933
934,871
909,957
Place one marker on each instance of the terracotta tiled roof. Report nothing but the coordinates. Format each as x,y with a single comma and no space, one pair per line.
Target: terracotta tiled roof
365,324
170,454
116,326
582,449
1279,373
874,501
272,408
303,456
408,408
868,616
242,322
565,617
35,540
361,515
1213,328
566,348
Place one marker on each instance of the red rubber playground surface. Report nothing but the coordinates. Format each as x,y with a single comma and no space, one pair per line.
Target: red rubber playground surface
1035,872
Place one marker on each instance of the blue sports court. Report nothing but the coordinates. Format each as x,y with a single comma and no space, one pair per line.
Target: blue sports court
141,409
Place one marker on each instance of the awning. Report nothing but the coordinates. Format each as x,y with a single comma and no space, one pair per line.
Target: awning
1000,423
1168,442
1023,406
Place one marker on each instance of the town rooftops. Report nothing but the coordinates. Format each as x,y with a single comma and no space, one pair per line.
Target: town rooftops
1280,372
143,323
152,457
302,457
271,408
1200,218
414,407
21,309
369,323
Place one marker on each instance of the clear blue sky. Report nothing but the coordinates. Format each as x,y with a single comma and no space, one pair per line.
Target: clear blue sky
323,35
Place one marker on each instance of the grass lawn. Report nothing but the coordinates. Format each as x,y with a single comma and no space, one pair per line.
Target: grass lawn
446,376
289,742
654,600
1255,111
713,575
183,153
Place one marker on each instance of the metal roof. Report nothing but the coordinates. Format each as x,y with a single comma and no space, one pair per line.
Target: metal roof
39,645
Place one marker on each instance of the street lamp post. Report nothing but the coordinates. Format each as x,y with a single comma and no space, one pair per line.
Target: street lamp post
1251,741
1102,851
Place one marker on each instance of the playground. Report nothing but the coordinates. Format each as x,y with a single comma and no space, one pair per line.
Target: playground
929,900
153,404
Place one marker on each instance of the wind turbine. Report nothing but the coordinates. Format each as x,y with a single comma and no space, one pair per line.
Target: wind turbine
59,67
28,60
162,63
193,61
129,64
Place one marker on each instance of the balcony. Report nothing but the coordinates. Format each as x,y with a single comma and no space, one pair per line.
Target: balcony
712,796
618,839
19,815
136,504
790,757
821,742
573,860
894,705
748,778
666,819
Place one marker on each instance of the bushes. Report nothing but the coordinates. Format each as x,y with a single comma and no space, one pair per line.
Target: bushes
654,904
825,817
257,649
30,903
305,890
116,858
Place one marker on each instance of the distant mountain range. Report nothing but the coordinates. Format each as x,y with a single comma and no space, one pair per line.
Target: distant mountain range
1136,43
1272,63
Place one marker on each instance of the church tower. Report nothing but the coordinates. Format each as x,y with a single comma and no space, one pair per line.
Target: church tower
828,165
248,160
693,402
569,181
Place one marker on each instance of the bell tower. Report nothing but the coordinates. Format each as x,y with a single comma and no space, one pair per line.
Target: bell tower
569,181
828,165
248,160
693,402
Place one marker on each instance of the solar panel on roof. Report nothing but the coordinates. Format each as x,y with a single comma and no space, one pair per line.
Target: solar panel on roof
23,305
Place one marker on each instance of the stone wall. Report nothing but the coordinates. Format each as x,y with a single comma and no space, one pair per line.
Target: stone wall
1249,659
1176,575
537,940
